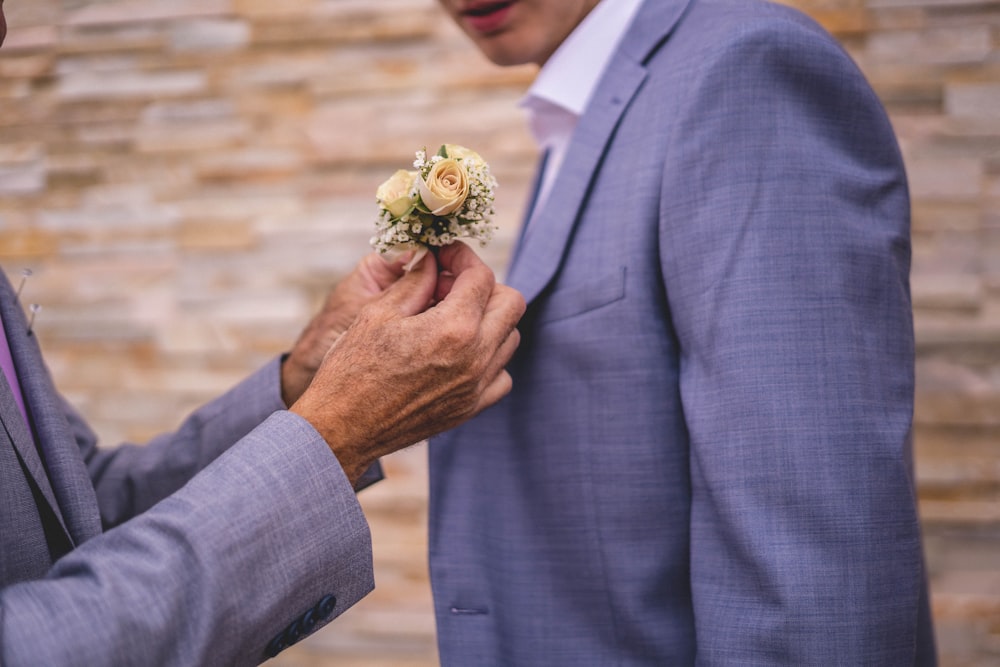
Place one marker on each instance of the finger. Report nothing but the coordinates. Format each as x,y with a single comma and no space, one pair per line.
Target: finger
503,354
469,282
383,271
496,390
503,311
446,280
458,257
394,259
411,293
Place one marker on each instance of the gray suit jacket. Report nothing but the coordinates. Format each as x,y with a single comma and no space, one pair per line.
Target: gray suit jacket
706,455
219,544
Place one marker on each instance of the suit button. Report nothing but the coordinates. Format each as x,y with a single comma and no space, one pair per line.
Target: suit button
294,632
326,606
276,646
308,621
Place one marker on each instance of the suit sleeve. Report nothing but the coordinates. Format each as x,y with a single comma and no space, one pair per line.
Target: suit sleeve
263,546
785,254
131,478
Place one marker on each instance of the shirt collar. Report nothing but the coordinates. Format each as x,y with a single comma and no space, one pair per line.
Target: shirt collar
571,74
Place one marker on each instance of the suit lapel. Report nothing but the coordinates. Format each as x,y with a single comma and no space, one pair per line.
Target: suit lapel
10,415
67,484
543,244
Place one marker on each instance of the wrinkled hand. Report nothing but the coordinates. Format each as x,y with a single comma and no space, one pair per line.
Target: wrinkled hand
403,372
370,278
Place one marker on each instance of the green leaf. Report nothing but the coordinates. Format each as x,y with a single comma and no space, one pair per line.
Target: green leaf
443,152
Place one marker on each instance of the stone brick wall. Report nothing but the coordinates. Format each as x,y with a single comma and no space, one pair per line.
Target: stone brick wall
185,178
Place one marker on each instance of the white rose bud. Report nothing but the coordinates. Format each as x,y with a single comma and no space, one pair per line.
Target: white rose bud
467,155
394,194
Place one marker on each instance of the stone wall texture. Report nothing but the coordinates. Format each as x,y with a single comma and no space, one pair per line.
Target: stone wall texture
185,179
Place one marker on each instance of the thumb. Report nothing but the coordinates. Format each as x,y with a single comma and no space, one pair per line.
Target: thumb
410,294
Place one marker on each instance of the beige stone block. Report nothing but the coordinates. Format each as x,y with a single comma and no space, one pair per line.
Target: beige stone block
945,216
116,39
907,94
202,382
939,375
210,35
26,244
332,129
901,18
933,177
22,169
263,308
21,153
210,235
979,409
943,261
249,165
933,46
113,12
286,105
195,136
116,217
973,99
34,13
30,39
894,4
82,115
844,21
979,12
10,90
275,70
254,8
30,66
971,595
960,512
236,207
956,462
75,170
116,85
187,336
947,292
335,24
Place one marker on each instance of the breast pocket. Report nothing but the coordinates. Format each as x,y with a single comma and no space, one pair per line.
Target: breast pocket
574,299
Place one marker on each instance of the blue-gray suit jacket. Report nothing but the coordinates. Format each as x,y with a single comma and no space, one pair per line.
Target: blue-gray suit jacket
262,546
706,455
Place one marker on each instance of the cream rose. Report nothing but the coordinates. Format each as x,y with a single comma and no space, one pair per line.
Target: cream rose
461,152
445,188
394,194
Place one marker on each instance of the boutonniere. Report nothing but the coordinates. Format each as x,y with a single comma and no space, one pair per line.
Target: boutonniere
446,197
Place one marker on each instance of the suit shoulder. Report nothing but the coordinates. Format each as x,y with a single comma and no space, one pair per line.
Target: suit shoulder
717,29
753,41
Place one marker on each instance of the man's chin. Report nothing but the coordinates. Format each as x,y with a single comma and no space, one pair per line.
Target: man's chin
500,53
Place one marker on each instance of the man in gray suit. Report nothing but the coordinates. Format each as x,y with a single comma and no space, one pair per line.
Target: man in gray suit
706,456
239,534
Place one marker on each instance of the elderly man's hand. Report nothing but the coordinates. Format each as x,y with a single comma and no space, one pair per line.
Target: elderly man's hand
403,372
369,279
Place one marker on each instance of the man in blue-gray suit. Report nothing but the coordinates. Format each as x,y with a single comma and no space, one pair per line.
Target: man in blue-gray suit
239,534
706,458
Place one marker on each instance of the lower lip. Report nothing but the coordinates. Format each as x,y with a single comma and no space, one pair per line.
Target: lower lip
490,22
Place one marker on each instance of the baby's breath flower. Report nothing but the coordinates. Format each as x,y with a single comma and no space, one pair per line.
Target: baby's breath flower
464,187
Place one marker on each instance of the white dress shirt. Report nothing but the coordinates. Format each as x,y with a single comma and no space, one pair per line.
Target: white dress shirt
564,85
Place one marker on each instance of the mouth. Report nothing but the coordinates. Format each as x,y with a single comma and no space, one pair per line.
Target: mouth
487,17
